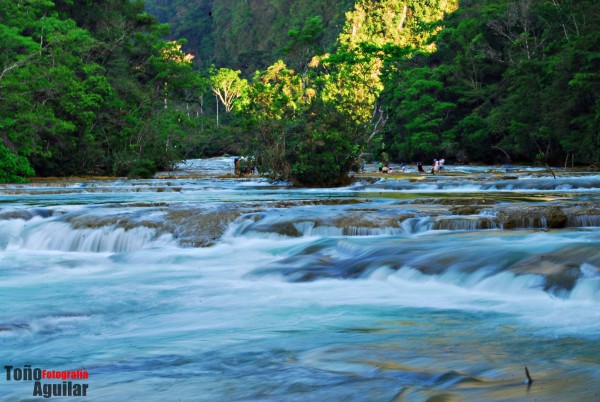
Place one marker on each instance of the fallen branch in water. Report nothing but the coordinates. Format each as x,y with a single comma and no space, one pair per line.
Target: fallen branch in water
529,379
548,168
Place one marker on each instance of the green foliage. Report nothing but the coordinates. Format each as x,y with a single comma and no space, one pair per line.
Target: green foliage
300,136
407,23
248,35
141,169
423,114
469,81
511,76
322,148
83,85
305,42
227,85
95,87
13,168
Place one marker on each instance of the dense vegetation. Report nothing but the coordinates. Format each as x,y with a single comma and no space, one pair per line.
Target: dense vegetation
97,87
516,80
84,88
246,35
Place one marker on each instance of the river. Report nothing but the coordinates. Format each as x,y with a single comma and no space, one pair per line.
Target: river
200,287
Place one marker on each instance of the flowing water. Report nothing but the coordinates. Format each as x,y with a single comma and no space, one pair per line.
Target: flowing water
192,287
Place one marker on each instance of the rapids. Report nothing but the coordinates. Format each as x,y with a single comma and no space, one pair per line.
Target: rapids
201,286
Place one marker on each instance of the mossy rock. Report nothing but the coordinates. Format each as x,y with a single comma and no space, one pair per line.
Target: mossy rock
533,217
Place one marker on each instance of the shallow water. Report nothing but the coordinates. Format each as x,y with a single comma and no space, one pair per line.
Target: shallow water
241,290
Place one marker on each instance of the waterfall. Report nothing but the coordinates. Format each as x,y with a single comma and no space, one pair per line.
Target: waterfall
48,234
583,220
465,223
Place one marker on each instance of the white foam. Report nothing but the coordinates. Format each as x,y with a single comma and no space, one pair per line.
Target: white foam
49,234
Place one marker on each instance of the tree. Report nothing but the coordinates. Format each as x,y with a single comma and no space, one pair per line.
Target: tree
301,136
227,85
305,42
83,85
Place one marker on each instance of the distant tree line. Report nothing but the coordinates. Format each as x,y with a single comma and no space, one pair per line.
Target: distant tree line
95,88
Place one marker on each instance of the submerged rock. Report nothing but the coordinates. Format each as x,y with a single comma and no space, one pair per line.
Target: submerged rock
555,217
532,217
199,228
466,210
25,214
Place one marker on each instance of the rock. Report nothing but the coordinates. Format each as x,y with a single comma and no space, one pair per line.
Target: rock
532,218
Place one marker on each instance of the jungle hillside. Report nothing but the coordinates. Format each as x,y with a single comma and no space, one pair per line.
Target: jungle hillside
306,89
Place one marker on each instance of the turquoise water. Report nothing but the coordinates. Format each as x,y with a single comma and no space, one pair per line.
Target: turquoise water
240,290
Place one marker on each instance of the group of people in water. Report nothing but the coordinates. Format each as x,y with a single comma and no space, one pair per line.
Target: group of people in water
244,166
437,166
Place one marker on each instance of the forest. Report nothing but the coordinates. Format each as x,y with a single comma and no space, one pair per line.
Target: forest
306,88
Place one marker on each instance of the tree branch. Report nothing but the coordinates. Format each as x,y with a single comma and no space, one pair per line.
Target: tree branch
18,64
503,151
381,120
529,379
